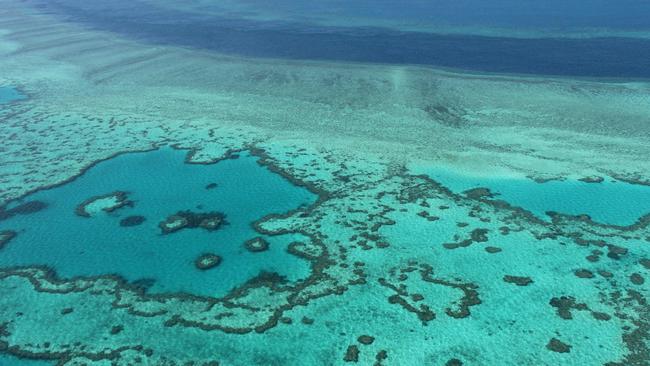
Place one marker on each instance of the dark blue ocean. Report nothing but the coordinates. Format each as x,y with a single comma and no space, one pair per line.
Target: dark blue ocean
297,36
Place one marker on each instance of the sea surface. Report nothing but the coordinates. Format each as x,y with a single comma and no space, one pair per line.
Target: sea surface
244,182
295,36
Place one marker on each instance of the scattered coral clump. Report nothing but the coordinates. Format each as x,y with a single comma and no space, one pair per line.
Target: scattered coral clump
210,221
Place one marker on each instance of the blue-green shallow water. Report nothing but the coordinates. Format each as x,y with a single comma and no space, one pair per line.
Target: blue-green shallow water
9,94
161,184
611,202
8,360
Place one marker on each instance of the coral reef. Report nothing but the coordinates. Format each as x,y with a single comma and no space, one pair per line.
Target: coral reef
210,221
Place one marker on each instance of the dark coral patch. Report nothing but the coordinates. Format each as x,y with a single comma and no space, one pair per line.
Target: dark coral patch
264,278
210,221
600,316
3,330
478,193
116,329
132,221
558,346
615,252
470,293
592,179
23,209
417,297
428,216
304,250
6,236
256,245
584,273
564,305
605,274
645,263
476,236
351,354
424,313
637,279
144,283
594,256
412,302
207,261
366,339
518,280
28,208
380,356
479,235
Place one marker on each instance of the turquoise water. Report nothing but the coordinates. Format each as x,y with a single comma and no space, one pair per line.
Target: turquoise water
160,184
611,202
459,279
8,360
9,94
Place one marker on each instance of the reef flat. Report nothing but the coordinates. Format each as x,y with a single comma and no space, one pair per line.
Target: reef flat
325,162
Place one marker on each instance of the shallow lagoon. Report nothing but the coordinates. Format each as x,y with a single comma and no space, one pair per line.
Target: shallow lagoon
9,360
609,202
160,184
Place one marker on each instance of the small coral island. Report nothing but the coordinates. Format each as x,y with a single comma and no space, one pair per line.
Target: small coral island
106,202
257,244
210,221
207,261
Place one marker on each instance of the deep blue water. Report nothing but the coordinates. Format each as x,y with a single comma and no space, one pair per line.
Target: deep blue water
616,57
609,202
549,14
160,184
